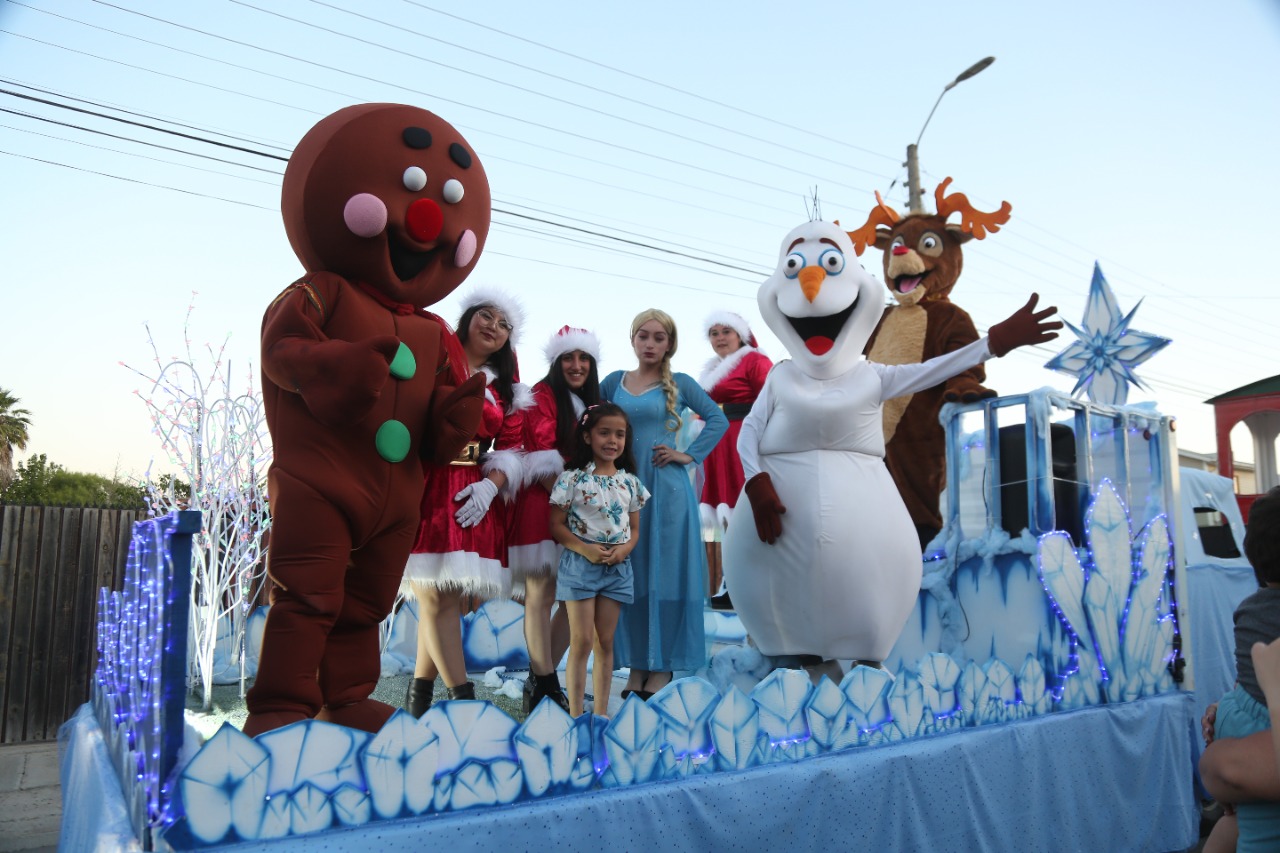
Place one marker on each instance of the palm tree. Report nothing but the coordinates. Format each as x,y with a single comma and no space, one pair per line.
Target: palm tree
14,424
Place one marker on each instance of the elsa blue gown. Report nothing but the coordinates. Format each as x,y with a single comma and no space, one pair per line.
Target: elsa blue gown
661,631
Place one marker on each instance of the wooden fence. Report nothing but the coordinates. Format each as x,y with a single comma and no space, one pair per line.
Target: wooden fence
53,560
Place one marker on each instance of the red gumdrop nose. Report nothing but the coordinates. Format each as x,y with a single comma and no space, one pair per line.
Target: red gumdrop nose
900,250
424,220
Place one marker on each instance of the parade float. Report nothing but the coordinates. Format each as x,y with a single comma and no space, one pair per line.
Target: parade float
1036,699
1033,701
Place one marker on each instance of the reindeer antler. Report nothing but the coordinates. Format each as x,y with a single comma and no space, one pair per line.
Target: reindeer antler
972,220
881,214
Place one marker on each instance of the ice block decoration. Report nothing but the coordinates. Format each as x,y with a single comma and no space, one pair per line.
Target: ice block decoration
1113,604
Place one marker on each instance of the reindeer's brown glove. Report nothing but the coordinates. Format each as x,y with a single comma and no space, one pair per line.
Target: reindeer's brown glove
766,507
1025,326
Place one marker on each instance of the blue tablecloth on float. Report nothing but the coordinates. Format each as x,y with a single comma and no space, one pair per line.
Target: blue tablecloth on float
1110,778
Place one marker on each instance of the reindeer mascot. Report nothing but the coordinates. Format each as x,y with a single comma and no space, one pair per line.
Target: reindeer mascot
922,262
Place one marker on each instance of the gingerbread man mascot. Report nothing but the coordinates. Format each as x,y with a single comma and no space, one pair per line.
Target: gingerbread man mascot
388,208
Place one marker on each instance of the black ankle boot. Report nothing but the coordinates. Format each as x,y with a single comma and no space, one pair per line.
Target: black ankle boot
529,699
466,690
548,686
417,699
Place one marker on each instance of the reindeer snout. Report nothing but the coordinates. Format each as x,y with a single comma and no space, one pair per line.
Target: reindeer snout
900,250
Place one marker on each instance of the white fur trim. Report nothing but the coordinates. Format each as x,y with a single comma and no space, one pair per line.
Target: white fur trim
717,368
523,397
463,571
728,318
573,339
578,406
537,560
502,300
541,464
508,462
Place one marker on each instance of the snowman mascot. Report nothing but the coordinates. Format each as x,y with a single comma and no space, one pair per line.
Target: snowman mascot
828,566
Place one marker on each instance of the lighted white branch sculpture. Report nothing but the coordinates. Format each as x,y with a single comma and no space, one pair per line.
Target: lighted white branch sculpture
217,441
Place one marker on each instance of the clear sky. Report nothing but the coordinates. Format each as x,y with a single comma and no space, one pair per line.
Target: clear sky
1142,135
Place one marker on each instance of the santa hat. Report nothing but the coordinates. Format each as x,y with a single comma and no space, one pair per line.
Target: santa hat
569,339
733,321
503,301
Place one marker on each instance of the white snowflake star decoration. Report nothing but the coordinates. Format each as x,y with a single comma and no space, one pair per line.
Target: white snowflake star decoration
1103,358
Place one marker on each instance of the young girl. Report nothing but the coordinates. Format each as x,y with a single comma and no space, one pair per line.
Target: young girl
595,515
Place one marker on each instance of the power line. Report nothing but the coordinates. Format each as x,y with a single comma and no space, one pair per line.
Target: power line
571,81
650,81
462,104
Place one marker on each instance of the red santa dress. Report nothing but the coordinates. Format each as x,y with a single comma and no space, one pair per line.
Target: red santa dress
733,382
471,559
530,549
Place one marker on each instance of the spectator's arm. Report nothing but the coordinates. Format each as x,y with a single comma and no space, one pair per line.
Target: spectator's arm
1241,770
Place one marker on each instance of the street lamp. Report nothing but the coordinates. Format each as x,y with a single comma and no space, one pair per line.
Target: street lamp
914,203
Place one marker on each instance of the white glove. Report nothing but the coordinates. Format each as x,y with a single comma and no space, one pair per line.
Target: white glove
478,496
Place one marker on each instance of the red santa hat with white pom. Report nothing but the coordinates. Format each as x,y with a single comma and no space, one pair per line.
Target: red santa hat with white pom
734,321
568,339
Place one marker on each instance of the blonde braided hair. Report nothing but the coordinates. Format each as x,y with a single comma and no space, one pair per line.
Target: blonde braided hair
668,381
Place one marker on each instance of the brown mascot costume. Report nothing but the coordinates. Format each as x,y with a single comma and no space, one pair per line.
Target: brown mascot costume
388,209
922,262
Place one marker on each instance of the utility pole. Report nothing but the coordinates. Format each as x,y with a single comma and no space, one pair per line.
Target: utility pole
915,198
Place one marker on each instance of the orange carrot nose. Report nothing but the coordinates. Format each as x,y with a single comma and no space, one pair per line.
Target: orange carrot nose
811,279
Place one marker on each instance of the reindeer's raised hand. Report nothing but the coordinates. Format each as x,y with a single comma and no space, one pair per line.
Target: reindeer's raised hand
1024,327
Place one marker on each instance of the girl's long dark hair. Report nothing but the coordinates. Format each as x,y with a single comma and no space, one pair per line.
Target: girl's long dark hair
503,361
566,420
582,456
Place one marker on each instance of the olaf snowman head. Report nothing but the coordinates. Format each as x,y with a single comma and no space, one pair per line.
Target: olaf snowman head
819,301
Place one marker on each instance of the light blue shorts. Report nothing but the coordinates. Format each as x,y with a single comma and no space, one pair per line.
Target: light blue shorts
577,579
1240,715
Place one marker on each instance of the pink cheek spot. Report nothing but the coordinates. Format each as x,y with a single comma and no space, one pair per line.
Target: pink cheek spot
819,345
466,251
365,215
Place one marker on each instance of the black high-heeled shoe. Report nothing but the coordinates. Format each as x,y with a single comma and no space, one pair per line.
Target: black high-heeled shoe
417,699
466,690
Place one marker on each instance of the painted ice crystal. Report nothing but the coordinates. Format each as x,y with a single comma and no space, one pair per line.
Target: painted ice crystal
547,747
867,690
1106,350
685,707
997,695
832,723
322,754
938,677
735,731
781,698
1115,606
1031,687
225,785
632,744
400,765
495,636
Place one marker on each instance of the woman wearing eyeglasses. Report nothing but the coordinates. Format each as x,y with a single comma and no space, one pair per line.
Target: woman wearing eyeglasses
461,549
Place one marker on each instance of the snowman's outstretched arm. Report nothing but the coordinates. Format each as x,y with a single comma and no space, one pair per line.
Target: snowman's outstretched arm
1025,326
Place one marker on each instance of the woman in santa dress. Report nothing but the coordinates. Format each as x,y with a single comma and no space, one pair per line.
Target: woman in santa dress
461,547
572,383
733,378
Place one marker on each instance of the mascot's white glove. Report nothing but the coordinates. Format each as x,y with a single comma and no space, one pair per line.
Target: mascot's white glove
478,496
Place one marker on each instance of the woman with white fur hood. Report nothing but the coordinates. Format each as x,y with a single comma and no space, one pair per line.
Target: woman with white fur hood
460,551
733,379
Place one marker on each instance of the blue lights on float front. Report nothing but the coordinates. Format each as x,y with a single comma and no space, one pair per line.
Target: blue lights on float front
140,680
